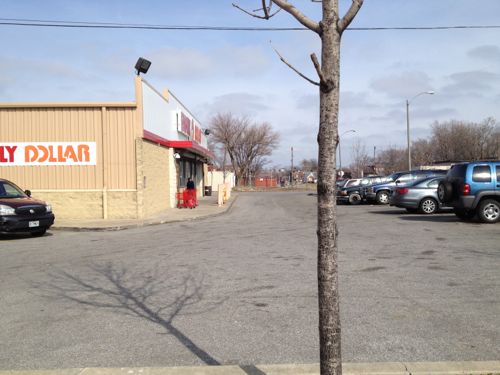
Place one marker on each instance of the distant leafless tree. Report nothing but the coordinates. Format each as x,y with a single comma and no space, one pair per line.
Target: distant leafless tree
360,158
309,165
460,140
220,160
422,152
246,143
329,30
392,159
450,141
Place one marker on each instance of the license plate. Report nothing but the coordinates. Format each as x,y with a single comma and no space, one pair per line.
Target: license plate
34,224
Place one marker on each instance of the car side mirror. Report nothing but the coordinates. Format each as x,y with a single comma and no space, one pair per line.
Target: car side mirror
28,193
398,181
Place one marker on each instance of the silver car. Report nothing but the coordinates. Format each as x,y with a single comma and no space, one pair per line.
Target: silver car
419,196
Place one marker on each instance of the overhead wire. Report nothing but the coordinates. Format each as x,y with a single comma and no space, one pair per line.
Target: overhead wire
111,25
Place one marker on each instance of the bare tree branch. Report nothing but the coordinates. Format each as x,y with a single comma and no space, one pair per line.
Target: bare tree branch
293,68
349,16
265,8
317,67
299,16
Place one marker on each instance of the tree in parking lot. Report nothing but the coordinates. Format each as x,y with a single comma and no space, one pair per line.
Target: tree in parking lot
329,30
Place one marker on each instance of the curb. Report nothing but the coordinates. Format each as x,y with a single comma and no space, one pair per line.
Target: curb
143,223
378,368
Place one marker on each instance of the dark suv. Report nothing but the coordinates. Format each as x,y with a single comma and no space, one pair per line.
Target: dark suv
473,189
21,213
354,194
381,193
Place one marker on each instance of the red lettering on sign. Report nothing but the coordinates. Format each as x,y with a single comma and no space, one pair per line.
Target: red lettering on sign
4,158
185,124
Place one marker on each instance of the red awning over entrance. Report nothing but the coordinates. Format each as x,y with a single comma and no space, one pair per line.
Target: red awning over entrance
188,145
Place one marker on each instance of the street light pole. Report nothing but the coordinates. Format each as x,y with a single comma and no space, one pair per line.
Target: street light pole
408,124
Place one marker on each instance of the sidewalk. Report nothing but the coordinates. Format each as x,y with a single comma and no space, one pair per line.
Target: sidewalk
379,368
207,206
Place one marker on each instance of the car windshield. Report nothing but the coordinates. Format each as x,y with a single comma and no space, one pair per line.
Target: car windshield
8,190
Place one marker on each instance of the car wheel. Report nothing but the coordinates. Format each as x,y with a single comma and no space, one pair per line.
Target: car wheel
39,233
428,206
464,214
444,191
382,197
488,211
354,199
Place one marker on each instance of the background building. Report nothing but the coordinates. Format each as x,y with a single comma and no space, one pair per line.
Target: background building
104,160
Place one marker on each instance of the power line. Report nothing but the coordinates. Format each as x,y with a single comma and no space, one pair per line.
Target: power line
110,25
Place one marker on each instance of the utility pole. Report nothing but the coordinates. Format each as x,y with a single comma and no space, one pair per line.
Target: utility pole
408,133
291,169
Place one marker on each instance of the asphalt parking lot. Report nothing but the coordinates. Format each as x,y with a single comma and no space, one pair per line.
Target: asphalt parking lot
241,289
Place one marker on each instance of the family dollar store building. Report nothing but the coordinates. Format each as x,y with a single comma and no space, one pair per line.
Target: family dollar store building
123,160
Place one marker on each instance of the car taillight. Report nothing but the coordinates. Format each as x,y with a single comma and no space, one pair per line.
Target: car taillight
402,190
466,189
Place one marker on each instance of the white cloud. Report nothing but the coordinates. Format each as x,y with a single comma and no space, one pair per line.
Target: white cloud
193,64
40,68
471,83
486,52
181,63
239,104
402,85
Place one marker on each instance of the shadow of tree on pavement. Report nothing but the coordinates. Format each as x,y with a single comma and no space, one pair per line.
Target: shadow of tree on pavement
145,295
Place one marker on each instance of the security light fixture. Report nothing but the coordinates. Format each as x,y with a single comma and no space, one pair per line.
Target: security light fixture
142,65
177,155
206,131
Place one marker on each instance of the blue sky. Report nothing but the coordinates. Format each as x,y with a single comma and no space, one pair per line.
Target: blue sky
239,72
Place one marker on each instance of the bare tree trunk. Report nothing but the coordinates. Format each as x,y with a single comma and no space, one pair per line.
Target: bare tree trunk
329,317
330,30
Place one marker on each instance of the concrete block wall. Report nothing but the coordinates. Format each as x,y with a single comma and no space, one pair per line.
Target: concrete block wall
156,187
90,204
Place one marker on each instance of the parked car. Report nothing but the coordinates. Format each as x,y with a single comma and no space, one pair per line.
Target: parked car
353,194
21,213
381,193
419,196
473,189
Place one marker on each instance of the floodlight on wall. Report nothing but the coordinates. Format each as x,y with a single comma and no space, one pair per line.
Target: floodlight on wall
206,131
142,65
177,155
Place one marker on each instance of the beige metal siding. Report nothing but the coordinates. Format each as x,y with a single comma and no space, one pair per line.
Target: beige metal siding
119,148
115,167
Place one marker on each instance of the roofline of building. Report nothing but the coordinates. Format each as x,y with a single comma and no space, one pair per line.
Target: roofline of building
70,105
